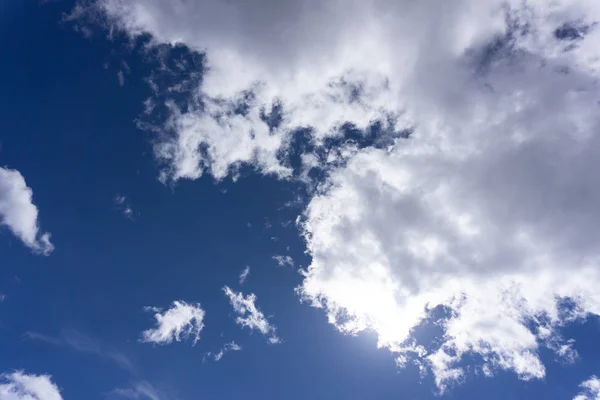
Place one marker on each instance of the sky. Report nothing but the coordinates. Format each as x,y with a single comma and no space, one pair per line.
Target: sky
224,199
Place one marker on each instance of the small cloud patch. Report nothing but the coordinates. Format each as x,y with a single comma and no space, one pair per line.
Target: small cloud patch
181,322
249,315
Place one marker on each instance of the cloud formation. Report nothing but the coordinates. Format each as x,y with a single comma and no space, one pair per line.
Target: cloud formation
21,386
141,390
249,315
232,346
19,214
244,275
590,389
284,261
481,203
227,348
180,322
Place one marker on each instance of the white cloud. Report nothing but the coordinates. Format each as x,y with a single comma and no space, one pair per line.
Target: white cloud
488,212
249,315
18,212
590,389
322,65
284,261
497,225
180,322
227,348
20,386
232,346
244,275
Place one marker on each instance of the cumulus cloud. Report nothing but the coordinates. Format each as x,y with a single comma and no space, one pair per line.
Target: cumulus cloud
309,64
18,212
244,275
487,212
480,205
249,315
21,386
590,389
180,322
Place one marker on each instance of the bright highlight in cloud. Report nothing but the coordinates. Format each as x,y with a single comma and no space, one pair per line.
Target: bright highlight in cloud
20,386
477,197
180,322
249,315
19,214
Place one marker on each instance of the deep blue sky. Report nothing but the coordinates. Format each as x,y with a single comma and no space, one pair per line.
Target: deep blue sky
69,128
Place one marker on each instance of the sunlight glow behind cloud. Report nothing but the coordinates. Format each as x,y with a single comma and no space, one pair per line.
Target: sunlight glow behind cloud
488,211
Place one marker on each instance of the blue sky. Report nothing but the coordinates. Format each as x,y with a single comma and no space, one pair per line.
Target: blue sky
416,206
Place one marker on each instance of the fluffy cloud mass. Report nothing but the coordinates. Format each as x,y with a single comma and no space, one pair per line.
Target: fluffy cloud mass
20,386
249,315
590,389
486,215
18,212
180,322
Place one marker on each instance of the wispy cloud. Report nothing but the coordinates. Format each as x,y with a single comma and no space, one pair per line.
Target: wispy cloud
284,261
249,315
85,344
123,204
75,340
180,322
227,347
244,275
140,390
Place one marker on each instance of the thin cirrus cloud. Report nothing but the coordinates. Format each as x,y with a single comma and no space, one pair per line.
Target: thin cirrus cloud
141,390
249,315
482,204
21,386
181,322
244,275
19,214
227,348
84,344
